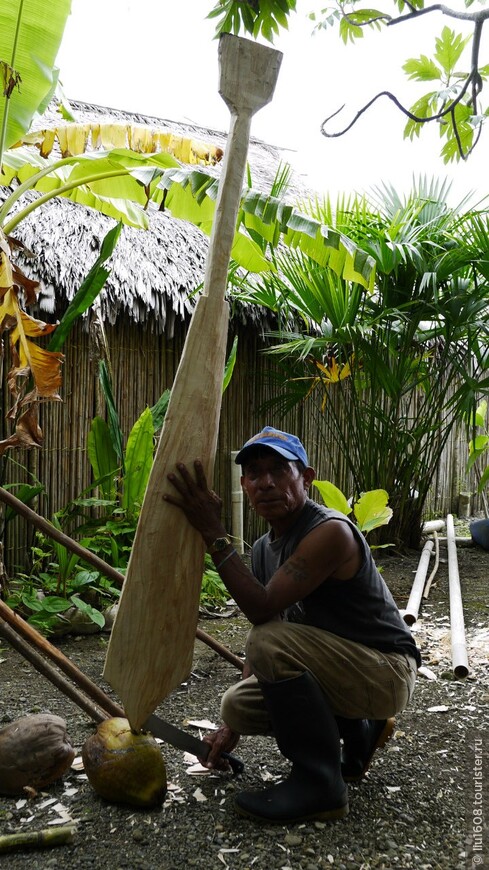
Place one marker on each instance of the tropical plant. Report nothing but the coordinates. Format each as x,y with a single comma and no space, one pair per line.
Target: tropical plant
390,371
478,446
35,596
213,594
370,511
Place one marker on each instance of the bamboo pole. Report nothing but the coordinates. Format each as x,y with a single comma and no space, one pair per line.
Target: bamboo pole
433,526
460,662
28,633
410,615
61,683
460,540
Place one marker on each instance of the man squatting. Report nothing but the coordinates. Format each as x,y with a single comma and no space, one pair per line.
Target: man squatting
328,658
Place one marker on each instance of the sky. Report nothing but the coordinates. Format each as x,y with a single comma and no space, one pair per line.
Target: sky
159,58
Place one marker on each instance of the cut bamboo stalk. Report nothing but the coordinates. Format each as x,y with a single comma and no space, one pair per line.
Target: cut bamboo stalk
460,662
460,540
410,615
151,644
37,839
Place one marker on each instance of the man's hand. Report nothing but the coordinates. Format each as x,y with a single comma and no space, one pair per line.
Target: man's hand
222,740
201,505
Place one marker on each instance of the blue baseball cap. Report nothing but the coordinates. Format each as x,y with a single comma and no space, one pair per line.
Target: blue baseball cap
283,443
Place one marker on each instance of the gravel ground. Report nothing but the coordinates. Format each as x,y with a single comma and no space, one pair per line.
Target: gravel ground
411,810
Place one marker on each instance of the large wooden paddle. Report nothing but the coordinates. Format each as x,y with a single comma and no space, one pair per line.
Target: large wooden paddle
151,646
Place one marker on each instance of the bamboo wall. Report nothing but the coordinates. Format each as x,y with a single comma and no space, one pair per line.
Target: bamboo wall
144,365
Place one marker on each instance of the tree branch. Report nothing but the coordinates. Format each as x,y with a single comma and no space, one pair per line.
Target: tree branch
448,110
476,17
473,78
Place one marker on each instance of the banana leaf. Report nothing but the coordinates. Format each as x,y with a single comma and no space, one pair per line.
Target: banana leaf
30,36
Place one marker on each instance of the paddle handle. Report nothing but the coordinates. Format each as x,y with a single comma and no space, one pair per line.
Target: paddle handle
248,74
227,206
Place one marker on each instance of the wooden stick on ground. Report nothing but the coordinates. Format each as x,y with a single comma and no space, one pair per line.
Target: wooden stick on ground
96,713
107,570
20,630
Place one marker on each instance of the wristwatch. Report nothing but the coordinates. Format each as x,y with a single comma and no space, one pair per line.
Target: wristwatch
219,544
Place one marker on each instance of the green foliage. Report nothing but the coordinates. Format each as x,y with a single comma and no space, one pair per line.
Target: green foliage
88,290
36,596
26,493
230,364
214,594
386,373
455,105
256,17
478,443
457,125
370,510
138,462
29,43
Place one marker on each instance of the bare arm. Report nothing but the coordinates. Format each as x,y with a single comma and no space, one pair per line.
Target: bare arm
330,550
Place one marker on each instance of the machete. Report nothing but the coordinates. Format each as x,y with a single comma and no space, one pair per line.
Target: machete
188,742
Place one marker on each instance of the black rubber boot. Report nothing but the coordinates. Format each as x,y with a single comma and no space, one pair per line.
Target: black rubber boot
307,734
361,737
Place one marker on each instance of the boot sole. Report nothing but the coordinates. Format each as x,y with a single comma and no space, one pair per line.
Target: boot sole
325,816
383,738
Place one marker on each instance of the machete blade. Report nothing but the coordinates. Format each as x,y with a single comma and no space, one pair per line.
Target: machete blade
183,740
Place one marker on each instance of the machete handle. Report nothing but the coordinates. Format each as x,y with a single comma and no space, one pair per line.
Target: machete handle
236,764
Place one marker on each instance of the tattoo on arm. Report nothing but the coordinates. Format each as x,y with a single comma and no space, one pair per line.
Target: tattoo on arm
296,569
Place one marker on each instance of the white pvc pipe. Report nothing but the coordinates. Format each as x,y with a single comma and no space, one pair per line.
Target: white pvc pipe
236,504
460,662
461,541
410,615
433,526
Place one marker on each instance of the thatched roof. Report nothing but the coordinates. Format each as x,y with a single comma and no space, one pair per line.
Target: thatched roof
153,271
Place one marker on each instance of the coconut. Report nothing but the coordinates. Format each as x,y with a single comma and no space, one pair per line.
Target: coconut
123,766
35,751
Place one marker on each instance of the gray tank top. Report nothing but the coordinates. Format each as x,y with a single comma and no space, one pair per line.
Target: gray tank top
361,609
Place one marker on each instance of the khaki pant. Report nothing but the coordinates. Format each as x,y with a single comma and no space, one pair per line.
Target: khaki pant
359,682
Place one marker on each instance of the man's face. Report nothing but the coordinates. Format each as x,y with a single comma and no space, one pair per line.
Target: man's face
275,486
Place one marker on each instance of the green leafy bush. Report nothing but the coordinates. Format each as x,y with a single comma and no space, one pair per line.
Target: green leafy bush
370,511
